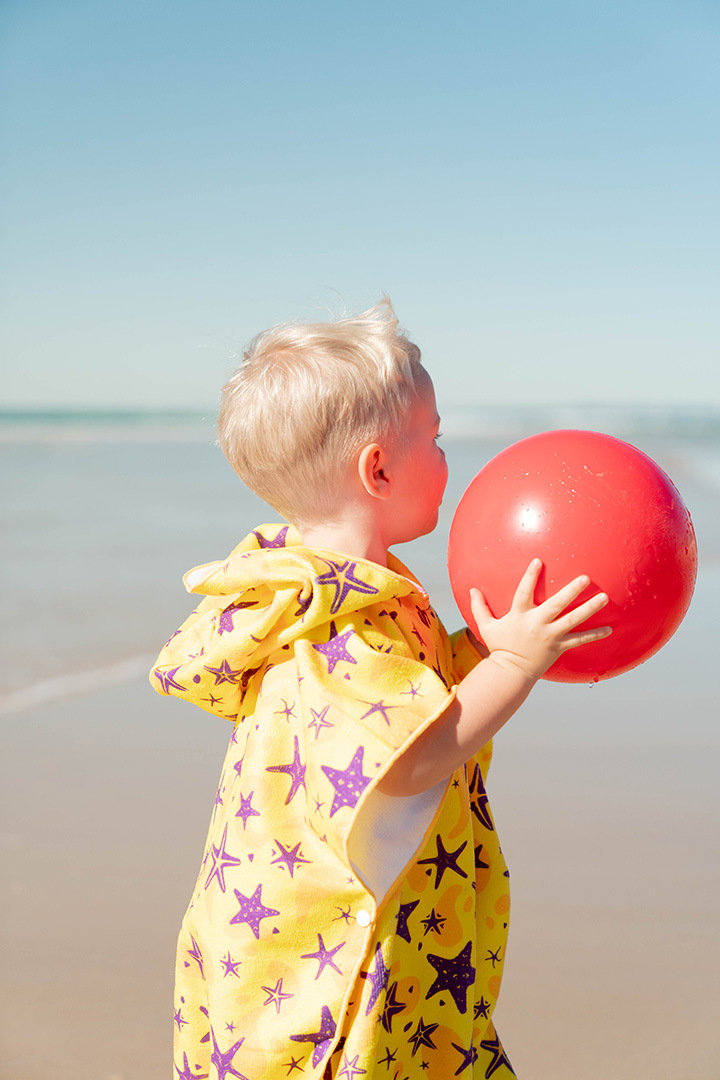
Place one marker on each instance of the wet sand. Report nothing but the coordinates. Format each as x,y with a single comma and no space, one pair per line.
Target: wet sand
614,960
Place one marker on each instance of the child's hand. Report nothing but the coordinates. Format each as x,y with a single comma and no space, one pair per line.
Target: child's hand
532,637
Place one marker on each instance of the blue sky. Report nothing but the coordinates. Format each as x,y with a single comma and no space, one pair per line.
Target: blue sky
535,185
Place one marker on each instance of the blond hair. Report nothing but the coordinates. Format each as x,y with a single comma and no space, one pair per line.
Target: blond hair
305,401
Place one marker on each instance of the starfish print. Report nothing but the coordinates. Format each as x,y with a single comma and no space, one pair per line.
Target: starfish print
344,915
494,957
324,957
438,671
319,722
402,930
167,679
422,1036
289,858
479,864
223,1062
287,711
351,1069
433,922
221,861
295,770
275,995
321,1039
481,1009
378,978
378,706
454,974
349,783
231,966
499,1056
252,910
294,1063
178,1018
186,1072
196,955
413,691
392,1007
424,617
230,1027
388,1059
479,800
247,810
418,635
278,542
224,673
469,1057
334,649
213,701
342,577
445,860
225,623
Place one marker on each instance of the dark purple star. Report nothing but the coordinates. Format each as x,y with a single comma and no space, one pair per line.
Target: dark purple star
290,858
287,711
499,1056
293,1063
213,701
388,1059
493,957
424,616
278,542
344,915
378,706
324,957
221,861
334,648
275,995
223,1062
167,679
445,860
225,623
178,1017
378,978
351,1069
413,691
469,1057
422,1036
247,810
481,1009
186,1072
479,864
252,910
349,783
231,966
392,1007
479,800
319,722
196,955
224,673
320,1039
402,930
454,974
342,577
433,922
295,770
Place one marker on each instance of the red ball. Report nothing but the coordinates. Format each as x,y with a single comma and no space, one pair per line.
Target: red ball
584,503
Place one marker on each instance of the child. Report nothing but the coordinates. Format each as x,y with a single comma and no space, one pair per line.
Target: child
351,913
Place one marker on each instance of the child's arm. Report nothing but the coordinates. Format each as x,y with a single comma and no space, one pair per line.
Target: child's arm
521,647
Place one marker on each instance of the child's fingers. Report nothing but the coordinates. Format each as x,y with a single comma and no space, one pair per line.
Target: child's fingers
556,604
585,637
480,611
571,619
525,593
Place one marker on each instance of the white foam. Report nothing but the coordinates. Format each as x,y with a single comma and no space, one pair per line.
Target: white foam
46,691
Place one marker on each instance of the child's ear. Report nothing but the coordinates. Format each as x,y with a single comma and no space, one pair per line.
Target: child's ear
372,467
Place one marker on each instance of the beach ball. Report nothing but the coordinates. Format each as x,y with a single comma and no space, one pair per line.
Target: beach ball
584,503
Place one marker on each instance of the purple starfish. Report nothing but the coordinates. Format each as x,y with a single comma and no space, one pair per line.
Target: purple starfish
378,978
499,1056
225,624
186,1072
221,861
479,800
392,1007
247,810
196,955
433,922
319,722
454,974
481,1009
351,1069
278,542
469,1057
402,930
321,1039
349,783
378,706
290,858
334,649
224,673
178,1018
275,995
324,957
167,679
223,1062
252,910
295,770
231,966
445,860
422,1036
342,577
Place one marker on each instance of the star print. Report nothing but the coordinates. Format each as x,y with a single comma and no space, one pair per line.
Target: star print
276,995
392,1007
389,1058
454,974
481,1009
178,1017
344,915
247,810
231,966
294,1063
404,914
423,616
438,671
433,922
290,858
230,1027
287,712
213,701
196,955
342,577
413,691
351,1069
252,910
324,957
349,783
499,1056
223,1062
422,1036
445,860
187,1074
224,673
378,706
469,1057
479,864
321,1039
479,800
295,770
221,861
167,679
319,722
494,957
225,623
378,978
418,635
334,649
278,542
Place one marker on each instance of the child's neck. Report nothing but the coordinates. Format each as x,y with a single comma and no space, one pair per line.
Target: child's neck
356,539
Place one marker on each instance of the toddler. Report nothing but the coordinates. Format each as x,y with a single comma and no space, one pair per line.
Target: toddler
351,913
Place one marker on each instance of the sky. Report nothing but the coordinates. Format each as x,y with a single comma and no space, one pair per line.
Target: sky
535,186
